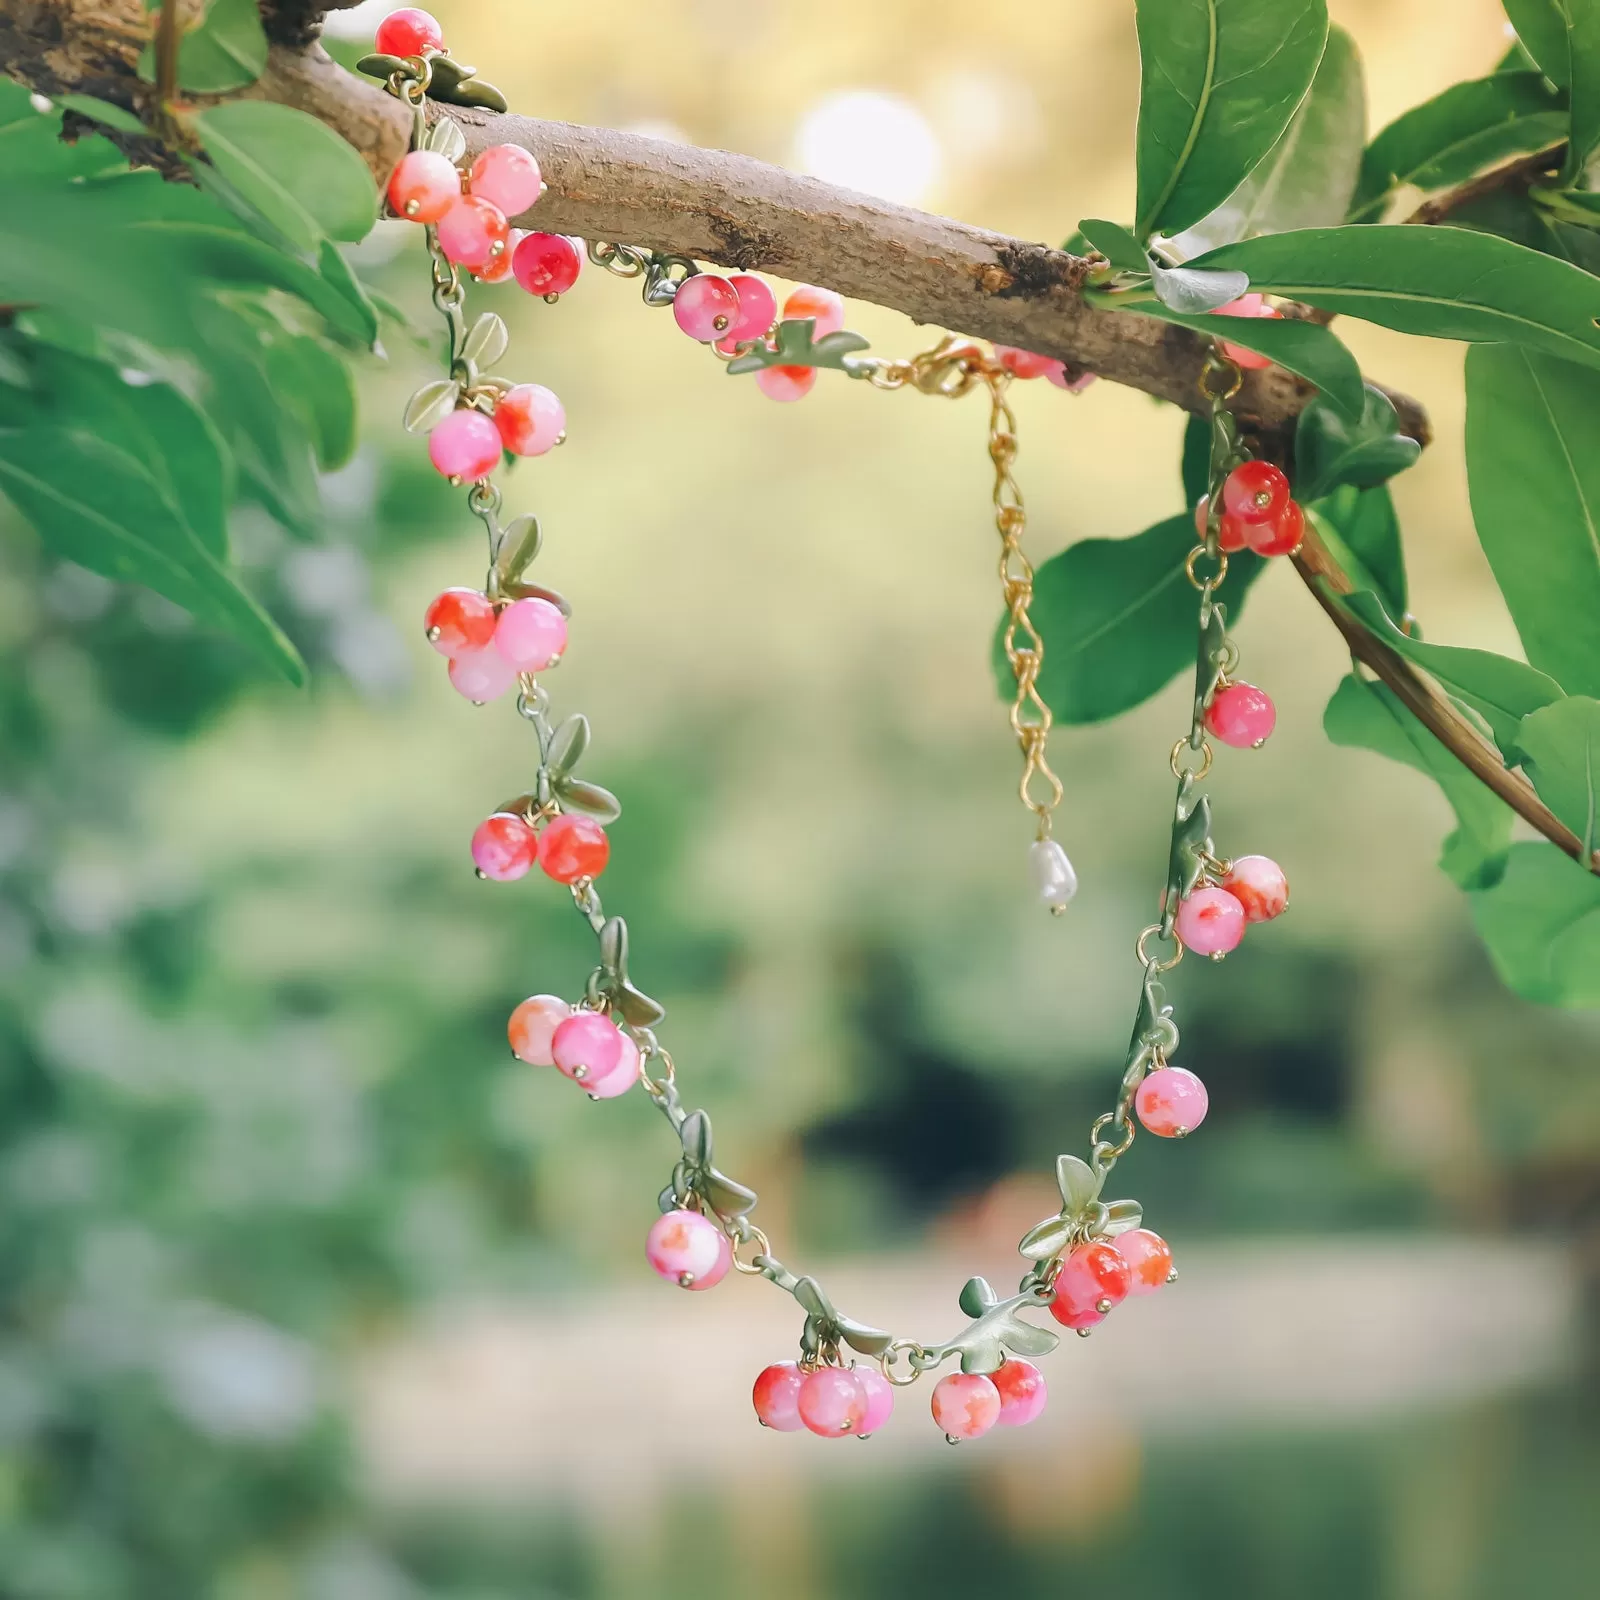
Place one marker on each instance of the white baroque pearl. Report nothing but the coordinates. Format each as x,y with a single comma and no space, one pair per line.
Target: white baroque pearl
1052,873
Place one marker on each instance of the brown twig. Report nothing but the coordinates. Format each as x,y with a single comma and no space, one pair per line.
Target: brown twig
1518,174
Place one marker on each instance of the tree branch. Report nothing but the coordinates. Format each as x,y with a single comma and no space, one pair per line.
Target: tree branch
1518,174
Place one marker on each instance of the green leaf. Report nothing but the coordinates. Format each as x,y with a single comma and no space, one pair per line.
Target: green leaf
1308,349
1369,717
1306,179
1444,283
1117,617
1116,243
1219,81
1195,467
1583,41
340,277
1193,290
225,50
567,745
1501,690
1365,524
794,345
113,116
298,173
1046,1239
977,1297
1542,28
1533,471
1560,746
1078,1183
318,384
577,794
1541,923
100,507
1330,450
1448,139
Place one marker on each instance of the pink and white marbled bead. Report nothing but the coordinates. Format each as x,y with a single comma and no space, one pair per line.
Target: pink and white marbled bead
587,1047
504,847
1092,1281
423,187
776,1397
472,232
531,634
1149,1259
786,384
706,307
465,445
531,419
1241,715
507,176
533,1025
832,1402
966,1404
880,1399
1258,884
1210,922
1022,1392
688,1249
1171,1102
481,675
619,1080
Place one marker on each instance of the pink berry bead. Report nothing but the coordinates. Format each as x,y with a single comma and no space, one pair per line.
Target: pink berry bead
965,1404
423,187
1247,305
1092,1280
546,263
472,232
465,446
619,1080
1258,884
533,1025
481,675
776,1397
1241,715
531,419
785,384
706,306
822,306
1075,385
688,1249
758,307
504,847
408,32
1231,532
1210,922
1171,1102
531,634
1255,491
1027,363
832,1402
880,1399
1281,536
507,176
499,268
574,847
586,1047
1022,1392
459,620
1149,1259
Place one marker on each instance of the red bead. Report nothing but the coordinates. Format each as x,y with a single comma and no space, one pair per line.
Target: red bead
1231,532
574,847
1027,363
1281,536
1022,1392
1092,1280
1255,491
408,32
546,263
504,847
459,621
1241,715
499,268
423,187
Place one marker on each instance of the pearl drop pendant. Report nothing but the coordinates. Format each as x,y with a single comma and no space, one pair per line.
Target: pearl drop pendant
1052,874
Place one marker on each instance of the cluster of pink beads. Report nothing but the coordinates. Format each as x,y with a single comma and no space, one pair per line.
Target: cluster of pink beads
507,846
1258,512
735,313
1098,1276
490,645
1026,364
583,1045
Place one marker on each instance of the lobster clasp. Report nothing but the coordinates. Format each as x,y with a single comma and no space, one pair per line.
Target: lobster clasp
950,368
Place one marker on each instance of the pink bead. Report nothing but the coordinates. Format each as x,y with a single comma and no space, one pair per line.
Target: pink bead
1072,385
546,263
465,446
1241,715
758,307
1171,1102
531,634
832,1402
1247,305
481,675
1022,1392
822,306
1258,884
880,1399
507,176
1149,1259
786,383
1210,922
423,187
1028,363
472,232
706,306
966,1404
504,847
499,268
1092,1280
586,1047
533,1025
530,418
776,1397
619,1080
688,1249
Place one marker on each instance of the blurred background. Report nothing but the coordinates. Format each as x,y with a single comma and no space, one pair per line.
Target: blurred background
309,1290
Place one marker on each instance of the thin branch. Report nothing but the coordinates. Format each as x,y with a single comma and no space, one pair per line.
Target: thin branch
1518,174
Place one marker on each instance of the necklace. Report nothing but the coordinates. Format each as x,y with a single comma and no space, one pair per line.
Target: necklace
1093,1253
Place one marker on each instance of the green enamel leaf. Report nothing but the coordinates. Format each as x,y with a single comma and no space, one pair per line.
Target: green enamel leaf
808,1293
864,1340
1191,843
1541,924
793,345
1023,1339
725,1197
1122,1216
1219,82
1079,1185
1330,449
638,1009
1448,139
519,545
300,175
1116,243
1046,1239
977,1297
576,794
1367,716
567,745
1534,476
1443,283
1365,527
983,1355
226,49
1560,748
1306,179
696,1136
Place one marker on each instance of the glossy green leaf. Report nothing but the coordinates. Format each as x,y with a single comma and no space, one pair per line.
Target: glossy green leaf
1307,178
1116,243
430,405
1541,924
113,116
318,384
577,794
1219,81
567,745
1195,467
1560,747
1448,139
1078,1183
299,174
1365,525
1501,690
1118,619
340,278
226,49
519,545
1444,283
1533,470
1542,29
1195,291
1583,85
1330,449
1367,716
